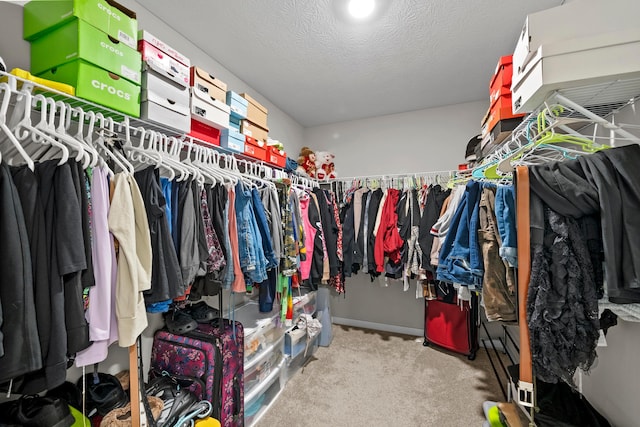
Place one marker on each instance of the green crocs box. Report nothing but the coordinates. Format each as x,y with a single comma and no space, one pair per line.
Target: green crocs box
79,40
97,85
43,16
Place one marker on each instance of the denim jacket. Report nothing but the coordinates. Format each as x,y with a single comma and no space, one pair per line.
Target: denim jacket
460,258
506,219
252,260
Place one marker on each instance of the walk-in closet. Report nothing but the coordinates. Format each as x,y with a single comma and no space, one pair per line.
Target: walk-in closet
340,212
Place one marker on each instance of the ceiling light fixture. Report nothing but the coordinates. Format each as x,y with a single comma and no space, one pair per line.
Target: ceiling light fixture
360,9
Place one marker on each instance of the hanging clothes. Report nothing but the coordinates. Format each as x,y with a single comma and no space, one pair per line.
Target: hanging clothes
506,222
26,183
166,276
101,313
606,184
129,225
238,284
74,283
460,258
288,261
66,255
433,205
562,305
361,200
252,260
370,213
499,280
188,253
320,262
349,238
337,281
263,227
19,343
388,242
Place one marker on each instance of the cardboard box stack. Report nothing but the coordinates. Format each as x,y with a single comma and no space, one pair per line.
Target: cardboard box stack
500,119
165,83
87,44
209,111
255,125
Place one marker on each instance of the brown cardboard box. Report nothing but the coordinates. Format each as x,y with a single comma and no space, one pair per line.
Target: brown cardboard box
209,85
256,112
253,130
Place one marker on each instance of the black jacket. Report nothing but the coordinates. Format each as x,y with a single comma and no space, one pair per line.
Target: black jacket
166,278
19,345
606,183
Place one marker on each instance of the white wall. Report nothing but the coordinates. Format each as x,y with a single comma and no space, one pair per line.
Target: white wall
424,140
418,141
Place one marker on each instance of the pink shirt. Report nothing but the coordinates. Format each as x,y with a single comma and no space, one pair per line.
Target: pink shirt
238,284
309,238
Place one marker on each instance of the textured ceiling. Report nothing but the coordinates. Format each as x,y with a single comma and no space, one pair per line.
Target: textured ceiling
319,66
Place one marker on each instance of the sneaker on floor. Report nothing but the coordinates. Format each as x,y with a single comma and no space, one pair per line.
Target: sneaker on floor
36,411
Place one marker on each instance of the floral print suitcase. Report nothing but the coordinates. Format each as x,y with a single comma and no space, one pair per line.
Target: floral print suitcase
213,354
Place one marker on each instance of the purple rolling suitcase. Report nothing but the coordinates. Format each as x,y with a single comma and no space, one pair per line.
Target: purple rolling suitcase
214,355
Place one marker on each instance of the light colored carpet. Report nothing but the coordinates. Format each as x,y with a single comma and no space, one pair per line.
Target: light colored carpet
370,378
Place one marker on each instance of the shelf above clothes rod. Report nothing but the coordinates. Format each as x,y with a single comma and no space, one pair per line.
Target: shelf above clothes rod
124,125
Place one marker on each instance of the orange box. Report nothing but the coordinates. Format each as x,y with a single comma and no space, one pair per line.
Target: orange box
276,157
503,75
503,101
499,112
254,148
205,132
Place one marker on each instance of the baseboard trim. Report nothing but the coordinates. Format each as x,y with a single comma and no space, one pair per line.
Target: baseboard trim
377,326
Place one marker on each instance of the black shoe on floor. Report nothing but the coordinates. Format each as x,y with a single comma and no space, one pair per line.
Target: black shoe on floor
104,395
36,411
201,312
179,322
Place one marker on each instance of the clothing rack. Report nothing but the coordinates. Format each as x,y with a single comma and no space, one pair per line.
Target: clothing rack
131,131
19,98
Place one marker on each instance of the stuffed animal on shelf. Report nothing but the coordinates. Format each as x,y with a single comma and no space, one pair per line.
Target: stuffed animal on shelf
325,167
307,162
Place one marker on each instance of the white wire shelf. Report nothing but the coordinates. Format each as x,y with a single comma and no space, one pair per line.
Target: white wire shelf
122,121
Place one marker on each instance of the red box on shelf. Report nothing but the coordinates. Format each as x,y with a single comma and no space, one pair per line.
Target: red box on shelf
204,132
503,74
254,148
498,112
276,157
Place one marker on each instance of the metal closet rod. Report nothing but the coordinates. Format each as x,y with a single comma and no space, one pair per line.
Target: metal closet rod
398,175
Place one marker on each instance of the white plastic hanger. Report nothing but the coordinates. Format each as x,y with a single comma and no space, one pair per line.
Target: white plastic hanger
61,134
142,156
34,138
4,107
100,144
191,159
79,114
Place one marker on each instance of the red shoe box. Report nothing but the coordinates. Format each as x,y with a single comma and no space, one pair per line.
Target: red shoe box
254,148
204,132
276,157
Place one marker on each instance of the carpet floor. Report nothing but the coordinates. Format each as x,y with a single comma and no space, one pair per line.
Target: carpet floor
370,378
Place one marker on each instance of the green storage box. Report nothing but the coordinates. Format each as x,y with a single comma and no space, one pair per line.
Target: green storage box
43,16
79,40
97,85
